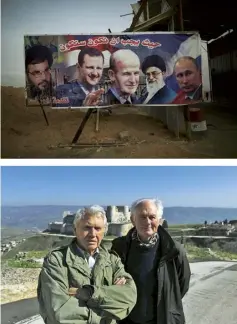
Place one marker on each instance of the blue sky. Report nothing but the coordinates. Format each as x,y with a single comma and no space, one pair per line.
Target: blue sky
21,17
175,186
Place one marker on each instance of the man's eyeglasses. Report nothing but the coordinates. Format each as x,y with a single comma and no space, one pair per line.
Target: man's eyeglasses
38,74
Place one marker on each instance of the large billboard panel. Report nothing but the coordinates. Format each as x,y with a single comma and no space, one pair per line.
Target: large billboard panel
74,71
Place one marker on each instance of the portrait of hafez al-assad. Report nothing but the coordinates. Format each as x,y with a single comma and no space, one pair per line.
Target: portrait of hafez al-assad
124,72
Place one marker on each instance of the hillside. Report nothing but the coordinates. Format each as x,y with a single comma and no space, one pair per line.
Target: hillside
38,217
41,242
14,234
38,243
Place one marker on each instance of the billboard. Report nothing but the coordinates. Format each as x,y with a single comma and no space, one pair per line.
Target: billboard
75,71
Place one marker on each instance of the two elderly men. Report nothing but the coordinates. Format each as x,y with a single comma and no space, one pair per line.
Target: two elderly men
84,283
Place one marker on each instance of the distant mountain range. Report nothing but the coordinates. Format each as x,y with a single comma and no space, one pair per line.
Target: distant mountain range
29,217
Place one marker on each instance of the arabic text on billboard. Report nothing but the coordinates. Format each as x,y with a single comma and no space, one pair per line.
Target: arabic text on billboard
102,70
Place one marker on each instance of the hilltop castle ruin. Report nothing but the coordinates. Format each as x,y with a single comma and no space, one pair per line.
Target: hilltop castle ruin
118,218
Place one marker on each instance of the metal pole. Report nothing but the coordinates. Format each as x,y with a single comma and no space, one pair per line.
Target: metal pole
127,14
181,15
97,119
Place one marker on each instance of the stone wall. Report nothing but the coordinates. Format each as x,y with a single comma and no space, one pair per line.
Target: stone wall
119,229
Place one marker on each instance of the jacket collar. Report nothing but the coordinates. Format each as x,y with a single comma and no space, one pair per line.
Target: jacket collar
167,245
132,98
77,261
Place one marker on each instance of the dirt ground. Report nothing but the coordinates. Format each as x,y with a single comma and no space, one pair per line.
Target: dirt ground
18,283
26,135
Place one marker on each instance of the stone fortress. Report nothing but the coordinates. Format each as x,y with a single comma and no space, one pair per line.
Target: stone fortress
118,218
119,223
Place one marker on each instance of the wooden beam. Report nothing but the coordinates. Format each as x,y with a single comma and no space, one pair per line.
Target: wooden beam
181,15
137,16
154,20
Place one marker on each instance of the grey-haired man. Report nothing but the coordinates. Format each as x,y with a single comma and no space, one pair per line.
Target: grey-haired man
158,265
83,282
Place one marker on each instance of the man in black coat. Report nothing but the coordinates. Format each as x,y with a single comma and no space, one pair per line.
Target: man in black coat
158,265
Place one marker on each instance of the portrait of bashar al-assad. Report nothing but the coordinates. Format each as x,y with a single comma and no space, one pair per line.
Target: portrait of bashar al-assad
38,62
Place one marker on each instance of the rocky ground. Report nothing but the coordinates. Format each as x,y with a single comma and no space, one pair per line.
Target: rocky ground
18,283
26,135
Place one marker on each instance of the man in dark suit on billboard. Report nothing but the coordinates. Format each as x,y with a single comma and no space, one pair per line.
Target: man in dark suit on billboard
188,76
38,62
84,91
154,69
124,72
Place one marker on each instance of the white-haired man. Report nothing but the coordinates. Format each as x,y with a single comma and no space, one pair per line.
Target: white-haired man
158,265
124,72
83,282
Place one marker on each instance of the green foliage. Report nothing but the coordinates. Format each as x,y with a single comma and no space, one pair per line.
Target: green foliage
109,238
196,253
22,264
27,261
203,254
37,254
226,256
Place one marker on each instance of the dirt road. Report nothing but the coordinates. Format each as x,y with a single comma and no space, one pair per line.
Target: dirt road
26,135
213,300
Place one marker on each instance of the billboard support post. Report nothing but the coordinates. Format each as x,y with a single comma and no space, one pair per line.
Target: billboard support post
82,125
97,120
43,111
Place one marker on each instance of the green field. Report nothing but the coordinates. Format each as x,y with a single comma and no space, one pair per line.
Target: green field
184,226
195,253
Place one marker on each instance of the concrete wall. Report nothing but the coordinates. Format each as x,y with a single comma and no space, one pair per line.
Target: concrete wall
67,229
55,227
212,231
114,213
171,116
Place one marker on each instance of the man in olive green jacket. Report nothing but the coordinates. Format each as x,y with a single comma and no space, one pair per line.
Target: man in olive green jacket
83,282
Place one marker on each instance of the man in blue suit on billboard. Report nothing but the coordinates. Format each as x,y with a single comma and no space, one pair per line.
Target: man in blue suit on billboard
84,91
154,69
